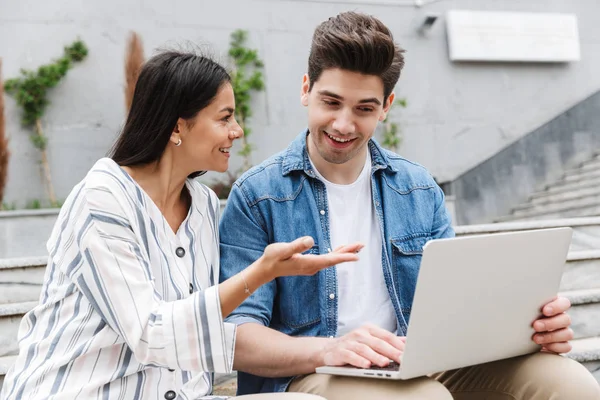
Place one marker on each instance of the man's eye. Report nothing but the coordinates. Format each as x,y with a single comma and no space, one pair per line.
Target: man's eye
330,103
365,109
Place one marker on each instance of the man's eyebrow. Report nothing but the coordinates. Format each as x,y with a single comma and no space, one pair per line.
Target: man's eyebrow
338,97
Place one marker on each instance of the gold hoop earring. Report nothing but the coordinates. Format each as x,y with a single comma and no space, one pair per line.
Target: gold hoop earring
178,143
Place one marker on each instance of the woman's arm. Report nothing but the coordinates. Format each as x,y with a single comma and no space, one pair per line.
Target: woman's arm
279,259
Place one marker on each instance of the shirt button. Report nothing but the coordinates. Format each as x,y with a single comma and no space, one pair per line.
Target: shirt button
180,252
330,337
329,250
170,395
171,370
332,296
322,212
191,288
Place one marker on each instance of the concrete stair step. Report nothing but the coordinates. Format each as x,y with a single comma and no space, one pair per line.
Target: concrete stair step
586,231
587,352
21,279
10,319
590,191
5,363
591,210
562,187
529,209
580,175
582,271
585,312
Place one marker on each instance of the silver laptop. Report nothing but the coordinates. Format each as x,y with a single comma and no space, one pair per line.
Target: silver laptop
475,301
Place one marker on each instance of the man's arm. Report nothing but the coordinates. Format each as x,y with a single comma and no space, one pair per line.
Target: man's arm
265,352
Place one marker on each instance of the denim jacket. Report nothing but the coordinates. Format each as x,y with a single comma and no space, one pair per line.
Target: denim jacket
281,199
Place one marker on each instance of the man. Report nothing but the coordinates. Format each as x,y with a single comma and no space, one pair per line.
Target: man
336,184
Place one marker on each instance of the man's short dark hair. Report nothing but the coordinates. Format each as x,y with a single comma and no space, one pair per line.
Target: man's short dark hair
356,42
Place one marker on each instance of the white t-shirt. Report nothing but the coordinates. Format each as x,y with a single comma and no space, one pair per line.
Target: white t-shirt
362,293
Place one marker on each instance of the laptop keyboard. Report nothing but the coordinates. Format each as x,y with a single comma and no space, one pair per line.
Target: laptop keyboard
392,366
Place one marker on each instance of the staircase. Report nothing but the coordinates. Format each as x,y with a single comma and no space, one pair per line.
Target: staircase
21,280
576,194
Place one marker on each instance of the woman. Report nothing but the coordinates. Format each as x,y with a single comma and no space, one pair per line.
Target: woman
131,307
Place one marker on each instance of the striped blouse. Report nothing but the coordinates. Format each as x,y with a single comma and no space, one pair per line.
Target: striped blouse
129,309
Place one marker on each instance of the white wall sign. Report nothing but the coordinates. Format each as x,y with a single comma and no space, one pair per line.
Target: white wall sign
511,36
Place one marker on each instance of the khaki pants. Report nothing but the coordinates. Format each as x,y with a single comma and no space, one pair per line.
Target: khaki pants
539,376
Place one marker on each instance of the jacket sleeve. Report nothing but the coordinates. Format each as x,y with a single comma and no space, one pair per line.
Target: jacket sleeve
442,223
244,236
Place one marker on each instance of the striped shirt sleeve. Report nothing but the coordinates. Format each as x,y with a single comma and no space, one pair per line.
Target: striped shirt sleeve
115,276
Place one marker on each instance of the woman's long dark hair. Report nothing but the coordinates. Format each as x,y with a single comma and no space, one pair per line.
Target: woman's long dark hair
171,85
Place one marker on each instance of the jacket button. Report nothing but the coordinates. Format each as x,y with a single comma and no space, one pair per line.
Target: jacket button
332,296
170,395
180,252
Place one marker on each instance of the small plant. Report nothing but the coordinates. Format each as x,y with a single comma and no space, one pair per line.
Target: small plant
392,134
31,93
4,152
34,204
134,59
247,78
9,206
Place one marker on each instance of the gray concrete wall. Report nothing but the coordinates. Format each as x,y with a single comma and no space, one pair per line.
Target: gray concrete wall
513,174
459,114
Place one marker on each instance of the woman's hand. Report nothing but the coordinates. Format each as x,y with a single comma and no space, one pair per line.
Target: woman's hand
280,259
285,259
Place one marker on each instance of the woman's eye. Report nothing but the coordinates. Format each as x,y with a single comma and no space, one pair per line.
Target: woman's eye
227,118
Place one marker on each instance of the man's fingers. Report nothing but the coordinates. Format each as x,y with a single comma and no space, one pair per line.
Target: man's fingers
388,351
397,342
557,306
553,323
365,351
561,335
352,358
558,348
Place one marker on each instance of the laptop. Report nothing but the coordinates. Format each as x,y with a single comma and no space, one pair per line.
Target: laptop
475,301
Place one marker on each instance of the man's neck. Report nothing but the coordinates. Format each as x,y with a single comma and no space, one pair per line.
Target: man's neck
340,174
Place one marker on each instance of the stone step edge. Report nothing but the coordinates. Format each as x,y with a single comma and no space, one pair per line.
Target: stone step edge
542,210
582,296
14,309
538,200
585,350
23,262
526,225
562,187
5,363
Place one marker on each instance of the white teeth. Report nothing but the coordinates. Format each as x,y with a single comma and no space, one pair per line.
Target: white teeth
338,139
224,150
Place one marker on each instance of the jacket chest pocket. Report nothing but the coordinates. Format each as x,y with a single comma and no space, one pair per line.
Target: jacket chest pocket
407,253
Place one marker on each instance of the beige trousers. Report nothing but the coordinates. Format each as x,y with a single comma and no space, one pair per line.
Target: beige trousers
539,376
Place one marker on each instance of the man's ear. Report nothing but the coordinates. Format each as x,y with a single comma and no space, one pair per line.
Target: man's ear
387,106
304,90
